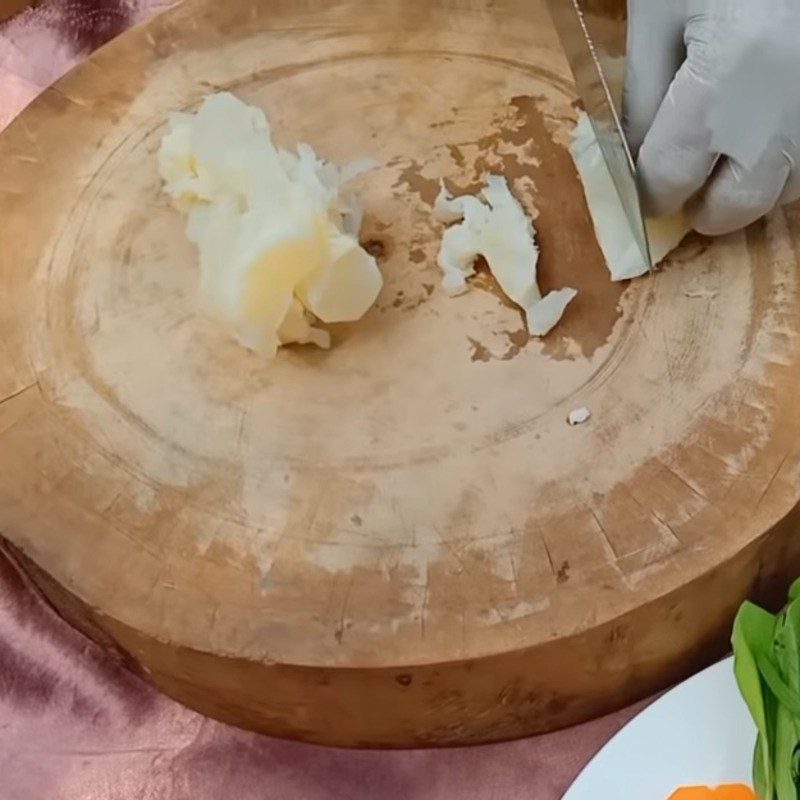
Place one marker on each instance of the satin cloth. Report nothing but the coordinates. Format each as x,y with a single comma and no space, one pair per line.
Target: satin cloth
75,725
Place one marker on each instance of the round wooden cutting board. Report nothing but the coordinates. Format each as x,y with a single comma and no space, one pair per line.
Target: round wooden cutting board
399,541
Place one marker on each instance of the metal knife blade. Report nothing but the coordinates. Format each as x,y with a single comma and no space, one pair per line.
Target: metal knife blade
585,58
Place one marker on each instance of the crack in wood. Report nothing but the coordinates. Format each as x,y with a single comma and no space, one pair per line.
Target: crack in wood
19,392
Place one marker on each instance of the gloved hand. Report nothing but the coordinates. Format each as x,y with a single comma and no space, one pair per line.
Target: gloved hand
712,107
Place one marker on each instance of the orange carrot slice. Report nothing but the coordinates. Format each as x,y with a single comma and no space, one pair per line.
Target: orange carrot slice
732,791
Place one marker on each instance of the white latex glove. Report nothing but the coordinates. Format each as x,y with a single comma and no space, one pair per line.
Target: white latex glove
712,106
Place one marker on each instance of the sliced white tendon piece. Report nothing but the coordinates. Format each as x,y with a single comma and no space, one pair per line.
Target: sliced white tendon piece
544,314
616,240
500,231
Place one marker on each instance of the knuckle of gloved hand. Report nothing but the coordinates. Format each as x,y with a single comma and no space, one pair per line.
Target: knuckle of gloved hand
751,33
706,51
717,49
726,209
760,50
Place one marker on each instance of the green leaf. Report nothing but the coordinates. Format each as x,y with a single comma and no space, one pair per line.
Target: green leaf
786,650
763,768
753,634
787,646
762,771
774,680
784,749
794,591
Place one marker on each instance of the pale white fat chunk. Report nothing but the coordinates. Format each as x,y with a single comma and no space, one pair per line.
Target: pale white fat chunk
622,254
578,416
496,227
276,231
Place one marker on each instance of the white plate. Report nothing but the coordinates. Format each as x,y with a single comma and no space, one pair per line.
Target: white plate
698,733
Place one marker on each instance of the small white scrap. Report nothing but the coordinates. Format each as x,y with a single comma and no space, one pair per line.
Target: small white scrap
579,415
277,232
498,229
622,254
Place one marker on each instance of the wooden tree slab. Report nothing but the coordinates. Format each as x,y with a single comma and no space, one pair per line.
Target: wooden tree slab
400,541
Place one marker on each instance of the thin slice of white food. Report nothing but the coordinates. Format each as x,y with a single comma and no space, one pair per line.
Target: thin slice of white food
614,235
544,314
498,229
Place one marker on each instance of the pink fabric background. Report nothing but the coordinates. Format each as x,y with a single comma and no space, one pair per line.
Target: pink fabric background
75,725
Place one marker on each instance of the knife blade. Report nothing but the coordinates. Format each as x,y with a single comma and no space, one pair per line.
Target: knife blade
585,57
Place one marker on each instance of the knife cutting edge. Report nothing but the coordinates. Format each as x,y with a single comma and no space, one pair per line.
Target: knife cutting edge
585,60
